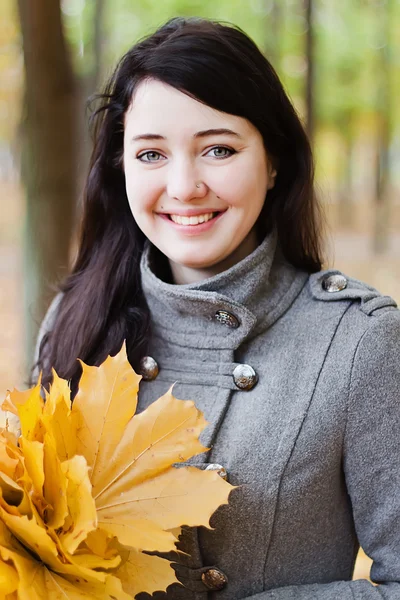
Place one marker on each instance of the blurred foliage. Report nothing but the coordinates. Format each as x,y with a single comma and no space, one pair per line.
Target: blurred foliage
11,68
356,60
352,39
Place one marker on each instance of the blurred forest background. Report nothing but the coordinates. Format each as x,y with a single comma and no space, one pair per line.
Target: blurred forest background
339,61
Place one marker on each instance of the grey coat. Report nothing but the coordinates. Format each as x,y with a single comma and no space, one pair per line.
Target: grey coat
314,446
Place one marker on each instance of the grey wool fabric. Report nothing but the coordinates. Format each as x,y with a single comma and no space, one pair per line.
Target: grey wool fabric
314,446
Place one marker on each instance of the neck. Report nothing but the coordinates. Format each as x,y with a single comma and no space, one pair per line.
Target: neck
182,274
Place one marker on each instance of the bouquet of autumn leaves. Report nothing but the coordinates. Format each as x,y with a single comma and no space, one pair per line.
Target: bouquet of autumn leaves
87,489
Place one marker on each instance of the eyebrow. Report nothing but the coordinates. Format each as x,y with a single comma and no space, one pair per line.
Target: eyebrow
199,134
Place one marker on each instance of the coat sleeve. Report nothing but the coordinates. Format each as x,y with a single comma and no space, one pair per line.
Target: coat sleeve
45,326
371,463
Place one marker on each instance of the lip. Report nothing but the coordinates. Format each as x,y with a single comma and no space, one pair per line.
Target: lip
190,212
192,229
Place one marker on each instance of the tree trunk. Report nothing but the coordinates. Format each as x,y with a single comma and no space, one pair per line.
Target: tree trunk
98,45
89,85
49,163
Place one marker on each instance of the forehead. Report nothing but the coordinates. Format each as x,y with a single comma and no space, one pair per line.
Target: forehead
159,108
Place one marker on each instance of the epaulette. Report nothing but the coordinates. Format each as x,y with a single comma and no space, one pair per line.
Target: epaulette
332,285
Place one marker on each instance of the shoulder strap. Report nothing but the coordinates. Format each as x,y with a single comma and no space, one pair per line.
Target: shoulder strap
332,285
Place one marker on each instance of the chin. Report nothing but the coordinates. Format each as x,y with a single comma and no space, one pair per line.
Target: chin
200,259
195,264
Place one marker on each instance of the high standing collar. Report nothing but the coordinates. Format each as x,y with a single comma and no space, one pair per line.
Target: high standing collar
257,290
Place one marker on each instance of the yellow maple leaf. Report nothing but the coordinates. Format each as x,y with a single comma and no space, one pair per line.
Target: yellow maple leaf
57,418
98,542
34,458
33,580
55,485
150,444
8,405
90,487
8,579
143,534
8,459
105,403
81,506
176,497
29,405
11,495
141,572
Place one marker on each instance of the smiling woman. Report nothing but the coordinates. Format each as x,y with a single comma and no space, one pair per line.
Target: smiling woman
200,245
194,169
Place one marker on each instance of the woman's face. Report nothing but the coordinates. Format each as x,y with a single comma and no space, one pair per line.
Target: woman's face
184,159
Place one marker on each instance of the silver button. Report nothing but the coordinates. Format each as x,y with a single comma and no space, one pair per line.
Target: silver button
227,318
222,472
334,283
245,377
214,579
148,368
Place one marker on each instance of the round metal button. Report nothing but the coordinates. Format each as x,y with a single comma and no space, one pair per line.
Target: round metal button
148,368
245,377
334,283
222,472
227,318
214,579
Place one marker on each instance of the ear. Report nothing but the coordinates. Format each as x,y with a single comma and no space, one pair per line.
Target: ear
272,173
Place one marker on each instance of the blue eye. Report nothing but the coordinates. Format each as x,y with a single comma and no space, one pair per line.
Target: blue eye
221,152
152,156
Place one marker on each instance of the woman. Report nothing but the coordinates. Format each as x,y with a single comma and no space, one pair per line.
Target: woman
200,245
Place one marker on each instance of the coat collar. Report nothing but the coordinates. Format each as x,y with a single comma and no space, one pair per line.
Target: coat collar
257,291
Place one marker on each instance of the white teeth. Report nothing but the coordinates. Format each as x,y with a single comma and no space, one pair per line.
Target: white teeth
192,220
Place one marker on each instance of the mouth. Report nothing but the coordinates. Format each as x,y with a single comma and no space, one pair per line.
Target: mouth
193,220
194,223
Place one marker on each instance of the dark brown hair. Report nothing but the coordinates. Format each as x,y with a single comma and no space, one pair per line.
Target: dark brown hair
218,65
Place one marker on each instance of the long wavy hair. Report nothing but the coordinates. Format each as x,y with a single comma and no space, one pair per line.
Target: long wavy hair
219,65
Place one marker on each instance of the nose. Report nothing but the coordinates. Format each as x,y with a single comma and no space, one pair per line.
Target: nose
185,183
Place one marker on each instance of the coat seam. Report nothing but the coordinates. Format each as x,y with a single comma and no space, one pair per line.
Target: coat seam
350,384
273,527
218,426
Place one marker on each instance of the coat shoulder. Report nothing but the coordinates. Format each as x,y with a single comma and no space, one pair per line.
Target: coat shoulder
332,285
48,322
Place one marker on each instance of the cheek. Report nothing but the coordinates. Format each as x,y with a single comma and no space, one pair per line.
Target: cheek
142,190
245,182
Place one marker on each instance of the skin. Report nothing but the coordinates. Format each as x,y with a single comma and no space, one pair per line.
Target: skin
164,179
